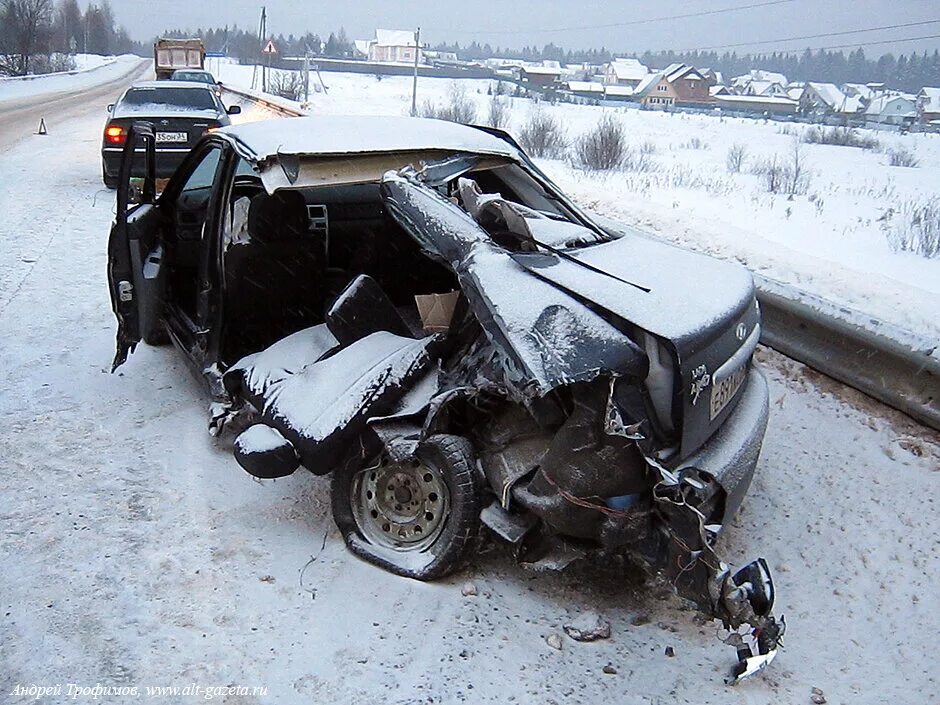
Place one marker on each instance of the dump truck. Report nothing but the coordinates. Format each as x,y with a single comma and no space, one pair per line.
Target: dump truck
172,54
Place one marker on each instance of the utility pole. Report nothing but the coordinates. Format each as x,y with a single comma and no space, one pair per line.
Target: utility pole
254,71
414,85
264,30
306,74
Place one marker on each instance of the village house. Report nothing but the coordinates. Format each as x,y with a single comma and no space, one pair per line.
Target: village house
585,89
713,78
928,105
765,79
767,89
861,90
795,90
619,94
892,109
625,72
756,104
678,84
828,99
442,58
540,77
390,46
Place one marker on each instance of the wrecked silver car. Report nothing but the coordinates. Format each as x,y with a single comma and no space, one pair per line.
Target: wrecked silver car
413,307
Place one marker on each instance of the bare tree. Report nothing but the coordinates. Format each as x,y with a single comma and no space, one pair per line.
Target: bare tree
737,155
459,108
287,84
796,172
25,27
498,113
543,136
902,157
772,172
603,148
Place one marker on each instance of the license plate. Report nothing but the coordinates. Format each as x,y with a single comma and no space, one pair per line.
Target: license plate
723,390
172,137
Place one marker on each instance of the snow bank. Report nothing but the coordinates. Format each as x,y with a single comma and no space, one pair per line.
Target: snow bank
91,70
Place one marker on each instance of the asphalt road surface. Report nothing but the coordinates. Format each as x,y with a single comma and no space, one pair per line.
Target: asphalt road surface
20,118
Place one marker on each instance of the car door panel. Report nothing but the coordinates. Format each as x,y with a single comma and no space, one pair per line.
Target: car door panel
133,243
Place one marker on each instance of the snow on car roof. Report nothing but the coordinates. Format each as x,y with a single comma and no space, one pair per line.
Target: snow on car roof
167,84
332,135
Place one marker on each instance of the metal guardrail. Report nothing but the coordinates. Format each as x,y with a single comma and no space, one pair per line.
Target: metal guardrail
894,366
885,362
267,102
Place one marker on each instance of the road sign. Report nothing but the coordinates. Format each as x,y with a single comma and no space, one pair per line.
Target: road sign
269,48
215,54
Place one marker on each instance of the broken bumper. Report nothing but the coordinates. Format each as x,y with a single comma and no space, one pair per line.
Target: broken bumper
730,455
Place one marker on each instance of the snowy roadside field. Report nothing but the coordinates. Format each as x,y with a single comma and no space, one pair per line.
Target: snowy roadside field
91,70
136,552
830,240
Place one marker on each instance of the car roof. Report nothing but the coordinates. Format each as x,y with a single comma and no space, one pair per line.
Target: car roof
184,72
339,134
169,84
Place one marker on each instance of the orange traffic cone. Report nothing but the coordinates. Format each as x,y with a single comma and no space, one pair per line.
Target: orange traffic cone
42,127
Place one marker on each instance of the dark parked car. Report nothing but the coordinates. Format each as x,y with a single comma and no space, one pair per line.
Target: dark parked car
412,306
180,112
198,76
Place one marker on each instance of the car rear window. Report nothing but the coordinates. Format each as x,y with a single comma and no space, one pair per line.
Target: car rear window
194,98
192,76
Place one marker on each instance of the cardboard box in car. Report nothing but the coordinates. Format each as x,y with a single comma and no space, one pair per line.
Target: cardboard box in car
436,310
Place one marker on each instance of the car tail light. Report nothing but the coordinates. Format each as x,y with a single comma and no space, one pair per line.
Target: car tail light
115,135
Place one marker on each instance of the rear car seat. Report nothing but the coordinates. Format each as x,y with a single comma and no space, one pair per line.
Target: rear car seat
316,390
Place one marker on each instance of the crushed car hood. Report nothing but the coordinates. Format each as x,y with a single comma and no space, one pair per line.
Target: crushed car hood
652,285
568,316
547,337
661,296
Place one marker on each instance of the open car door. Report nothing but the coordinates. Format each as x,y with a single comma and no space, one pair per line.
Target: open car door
135,253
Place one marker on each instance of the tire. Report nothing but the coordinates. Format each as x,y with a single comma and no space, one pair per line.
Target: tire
443,462
110,182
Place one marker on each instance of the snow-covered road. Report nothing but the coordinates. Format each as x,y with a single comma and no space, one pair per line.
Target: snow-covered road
56,106
135,552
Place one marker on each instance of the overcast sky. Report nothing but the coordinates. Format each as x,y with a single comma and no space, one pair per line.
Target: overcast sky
585,24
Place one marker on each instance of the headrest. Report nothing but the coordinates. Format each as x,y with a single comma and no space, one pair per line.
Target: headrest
282,216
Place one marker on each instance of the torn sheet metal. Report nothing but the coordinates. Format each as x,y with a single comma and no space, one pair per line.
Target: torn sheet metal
548,339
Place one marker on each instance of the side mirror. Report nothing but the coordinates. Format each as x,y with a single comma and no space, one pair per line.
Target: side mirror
110,107
219,83
234,110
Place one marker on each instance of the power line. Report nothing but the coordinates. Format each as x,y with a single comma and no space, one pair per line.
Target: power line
818,36
834,46
630,23
869,44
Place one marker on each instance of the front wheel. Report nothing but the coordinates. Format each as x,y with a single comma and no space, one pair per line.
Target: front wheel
417,517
